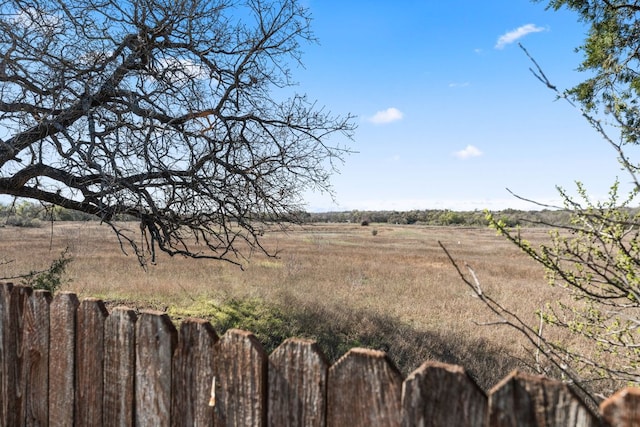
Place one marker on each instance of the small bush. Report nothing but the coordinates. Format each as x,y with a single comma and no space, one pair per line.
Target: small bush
270,323
51,279
20,221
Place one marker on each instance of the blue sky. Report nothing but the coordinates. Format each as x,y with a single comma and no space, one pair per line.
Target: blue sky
449,115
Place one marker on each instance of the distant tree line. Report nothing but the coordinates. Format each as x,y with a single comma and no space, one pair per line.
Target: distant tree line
443,217
28,214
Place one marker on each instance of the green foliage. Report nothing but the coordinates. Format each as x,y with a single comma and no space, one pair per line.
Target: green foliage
51,279
270,324
451,218
446,217
273,323
595,256
27,214
596,259
611,60
22,214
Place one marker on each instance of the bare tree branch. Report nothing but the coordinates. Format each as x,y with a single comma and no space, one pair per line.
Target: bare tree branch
507,317
167,112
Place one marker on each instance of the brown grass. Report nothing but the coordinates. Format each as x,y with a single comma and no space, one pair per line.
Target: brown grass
338,283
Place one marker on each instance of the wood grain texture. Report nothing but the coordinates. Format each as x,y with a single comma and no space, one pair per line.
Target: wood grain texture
241,380
193,371
156,339
62,323
36,350
364,389
525,400
7,358
119,367
622,409
297,384
438,394
140,372
18,305
91,317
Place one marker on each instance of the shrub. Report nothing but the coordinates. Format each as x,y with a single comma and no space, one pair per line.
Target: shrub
51,279
21,221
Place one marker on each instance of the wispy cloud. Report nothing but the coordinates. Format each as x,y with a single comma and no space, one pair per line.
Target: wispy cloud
463,84
517,34
386,116
468,152
41,21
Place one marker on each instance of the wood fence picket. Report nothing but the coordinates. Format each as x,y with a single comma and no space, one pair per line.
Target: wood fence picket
36,356
193,369
241,380
65,362
297,384
438,394
7,358
119,368
522,400
156,339
622,409
364,389
62,353
18,304
89,373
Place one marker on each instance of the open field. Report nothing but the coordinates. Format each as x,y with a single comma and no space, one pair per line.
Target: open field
337,283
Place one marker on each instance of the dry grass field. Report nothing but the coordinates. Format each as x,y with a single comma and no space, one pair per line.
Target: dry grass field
337,283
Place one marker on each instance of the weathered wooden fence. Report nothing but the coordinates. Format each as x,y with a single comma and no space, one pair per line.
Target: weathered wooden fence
65,362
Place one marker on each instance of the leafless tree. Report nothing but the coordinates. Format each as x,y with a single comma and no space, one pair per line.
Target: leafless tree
180,113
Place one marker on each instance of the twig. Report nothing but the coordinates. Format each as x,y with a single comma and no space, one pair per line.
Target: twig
537,352
511,319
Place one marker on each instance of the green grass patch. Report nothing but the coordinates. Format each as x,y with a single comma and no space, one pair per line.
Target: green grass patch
269,323
273,323
337,329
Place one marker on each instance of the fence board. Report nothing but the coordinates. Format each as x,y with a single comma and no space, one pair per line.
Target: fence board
364,389
156,339
438,394
19,297
62,333
193,370
526,400
119,367
7,358
36,350
241,380
153,377
297,384
622,409
90,319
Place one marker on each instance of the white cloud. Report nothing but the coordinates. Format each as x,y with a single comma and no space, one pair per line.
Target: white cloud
463,84
468,152
516,34
386,116
38,20
181,70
